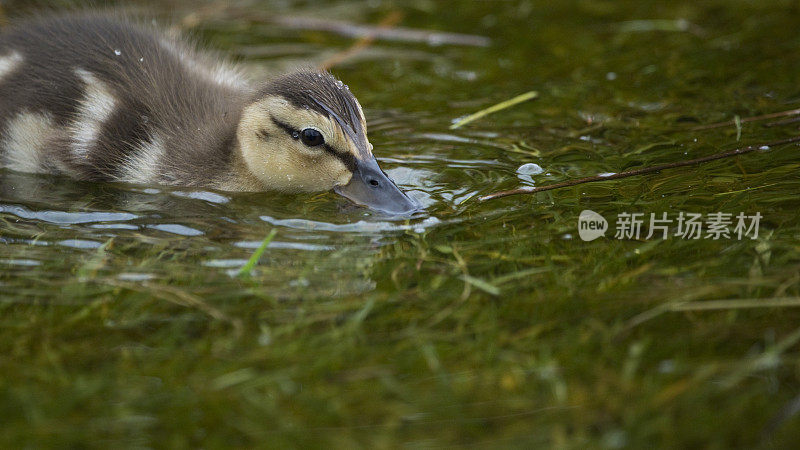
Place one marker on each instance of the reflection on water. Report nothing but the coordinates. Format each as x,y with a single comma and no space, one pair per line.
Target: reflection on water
137,233
175,228
324,244
362,226
322,239
65,217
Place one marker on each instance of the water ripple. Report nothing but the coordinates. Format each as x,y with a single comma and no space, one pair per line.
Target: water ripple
175,228
67,218
361,226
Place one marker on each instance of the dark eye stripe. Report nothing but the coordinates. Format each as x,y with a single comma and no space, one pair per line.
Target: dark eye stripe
292,132
347,159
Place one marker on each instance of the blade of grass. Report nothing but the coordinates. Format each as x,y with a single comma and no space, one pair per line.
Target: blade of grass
248,267
768,359
745,190
744,303
521,274
493,109
738,122
712,305
482,285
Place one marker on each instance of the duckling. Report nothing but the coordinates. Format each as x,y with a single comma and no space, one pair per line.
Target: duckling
98,97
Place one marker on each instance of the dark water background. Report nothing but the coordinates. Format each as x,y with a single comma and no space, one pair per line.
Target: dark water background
478,324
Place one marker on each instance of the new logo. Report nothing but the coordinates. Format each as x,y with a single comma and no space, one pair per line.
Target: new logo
591,225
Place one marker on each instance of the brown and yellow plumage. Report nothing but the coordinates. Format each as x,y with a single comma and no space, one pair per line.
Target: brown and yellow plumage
98,97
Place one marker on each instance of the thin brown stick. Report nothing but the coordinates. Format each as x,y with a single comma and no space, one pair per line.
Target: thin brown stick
363,42
782,122
432,38
642,171
791,112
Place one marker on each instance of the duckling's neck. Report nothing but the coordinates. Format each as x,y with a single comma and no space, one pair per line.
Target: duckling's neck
238,177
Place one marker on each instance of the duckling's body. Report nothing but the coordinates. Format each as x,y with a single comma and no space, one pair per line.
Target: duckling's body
102,98
95,98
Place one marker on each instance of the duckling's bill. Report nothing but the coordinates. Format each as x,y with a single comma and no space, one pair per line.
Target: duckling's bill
369,186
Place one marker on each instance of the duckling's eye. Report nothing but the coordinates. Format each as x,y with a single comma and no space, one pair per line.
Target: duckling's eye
311,137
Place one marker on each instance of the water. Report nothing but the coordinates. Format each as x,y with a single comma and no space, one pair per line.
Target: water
124,319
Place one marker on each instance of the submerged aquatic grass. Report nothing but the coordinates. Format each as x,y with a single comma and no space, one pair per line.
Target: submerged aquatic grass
641,171
482,324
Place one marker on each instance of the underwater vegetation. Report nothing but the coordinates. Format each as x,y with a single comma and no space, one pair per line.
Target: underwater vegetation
151,316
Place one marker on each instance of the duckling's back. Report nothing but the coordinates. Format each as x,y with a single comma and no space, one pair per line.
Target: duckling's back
103,98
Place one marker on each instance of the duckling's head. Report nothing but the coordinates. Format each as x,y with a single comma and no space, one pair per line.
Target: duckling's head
305,132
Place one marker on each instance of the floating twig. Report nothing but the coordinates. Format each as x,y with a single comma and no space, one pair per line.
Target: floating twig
642,171
221,10
782,122
643,26
363,42
389,34
492,109
791,112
